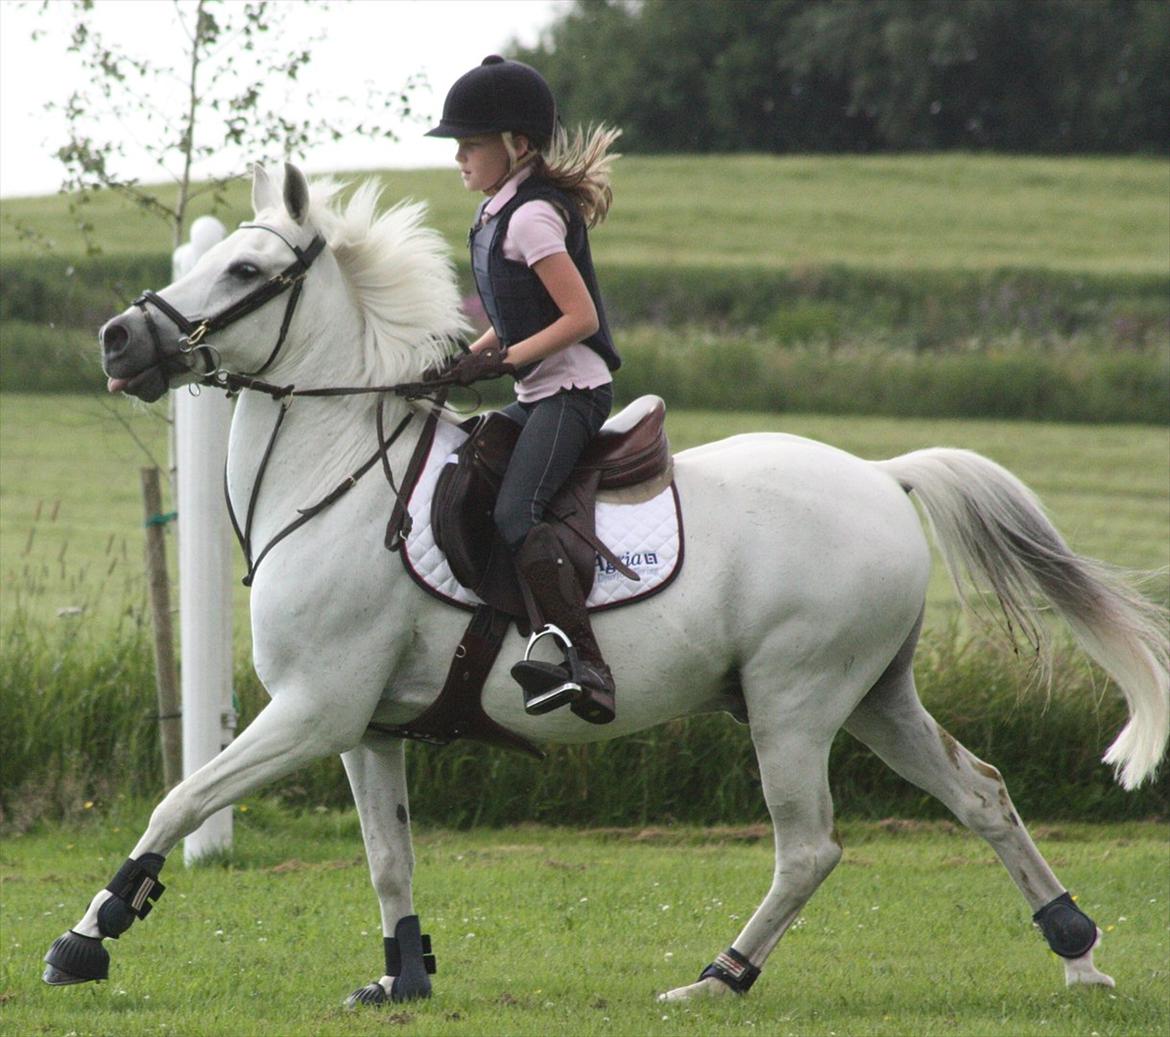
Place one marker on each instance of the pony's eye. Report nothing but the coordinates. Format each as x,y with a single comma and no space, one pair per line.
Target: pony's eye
244,271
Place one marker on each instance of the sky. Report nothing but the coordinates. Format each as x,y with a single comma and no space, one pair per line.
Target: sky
381,41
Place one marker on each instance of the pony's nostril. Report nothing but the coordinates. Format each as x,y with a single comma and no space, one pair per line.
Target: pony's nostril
114,338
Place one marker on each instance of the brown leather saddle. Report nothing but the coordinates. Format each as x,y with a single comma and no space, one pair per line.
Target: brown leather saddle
631,448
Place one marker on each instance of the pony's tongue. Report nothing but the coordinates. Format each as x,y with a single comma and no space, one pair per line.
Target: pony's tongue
117,384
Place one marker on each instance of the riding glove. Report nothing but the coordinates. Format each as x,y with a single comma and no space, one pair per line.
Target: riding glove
476,367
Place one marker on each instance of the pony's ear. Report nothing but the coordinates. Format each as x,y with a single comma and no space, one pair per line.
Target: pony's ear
263,191
296,193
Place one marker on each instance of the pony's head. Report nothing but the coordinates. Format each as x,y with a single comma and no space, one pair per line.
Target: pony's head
308,290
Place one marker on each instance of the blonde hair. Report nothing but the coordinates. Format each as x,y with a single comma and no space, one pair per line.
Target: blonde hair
579,165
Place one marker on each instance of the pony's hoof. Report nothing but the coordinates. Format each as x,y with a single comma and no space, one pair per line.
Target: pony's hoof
1082,970
371,994
709,987
76,959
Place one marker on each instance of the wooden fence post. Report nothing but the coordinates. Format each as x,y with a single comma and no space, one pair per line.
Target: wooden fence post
170,729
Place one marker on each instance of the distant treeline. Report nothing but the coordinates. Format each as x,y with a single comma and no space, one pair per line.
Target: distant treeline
1051,76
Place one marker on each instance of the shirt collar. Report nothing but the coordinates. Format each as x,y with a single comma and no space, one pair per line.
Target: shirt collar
506,193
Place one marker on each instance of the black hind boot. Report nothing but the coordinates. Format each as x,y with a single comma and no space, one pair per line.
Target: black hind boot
583,682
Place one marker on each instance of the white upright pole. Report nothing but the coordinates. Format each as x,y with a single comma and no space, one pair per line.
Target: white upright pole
205,572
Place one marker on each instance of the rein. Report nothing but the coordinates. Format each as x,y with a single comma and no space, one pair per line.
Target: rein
400,522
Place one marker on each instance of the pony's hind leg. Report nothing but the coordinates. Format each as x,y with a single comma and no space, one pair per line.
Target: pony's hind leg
794,775
896,726
377,775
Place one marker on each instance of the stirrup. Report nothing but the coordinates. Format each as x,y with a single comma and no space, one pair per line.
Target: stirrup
547,686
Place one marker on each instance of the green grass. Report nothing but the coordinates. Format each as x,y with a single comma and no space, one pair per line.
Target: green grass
550,931
953,211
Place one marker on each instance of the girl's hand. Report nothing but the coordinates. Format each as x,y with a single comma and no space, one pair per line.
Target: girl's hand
481,365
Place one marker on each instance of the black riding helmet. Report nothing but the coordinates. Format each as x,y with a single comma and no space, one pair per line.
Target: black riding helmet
499,96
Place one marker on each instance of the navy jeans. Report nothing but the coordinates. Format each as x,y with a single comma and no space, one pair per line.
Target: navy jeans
554,434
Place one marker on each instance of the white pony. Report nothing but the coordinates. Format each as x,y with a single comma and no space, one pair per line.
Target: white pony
798,607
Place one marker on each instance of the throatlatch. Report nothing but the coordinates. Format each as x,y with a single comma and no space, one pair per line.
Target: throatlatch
1069,931
734,969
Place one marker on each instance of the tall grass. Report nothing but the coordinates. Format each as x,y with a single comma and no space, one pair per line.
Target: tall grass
80,727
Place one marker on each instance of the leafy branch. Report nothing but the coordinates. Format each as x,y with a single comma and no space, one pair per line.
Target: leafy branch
228,87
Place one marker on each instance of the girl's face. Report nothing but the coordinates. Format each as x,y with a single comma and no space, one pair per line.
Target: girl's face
483,161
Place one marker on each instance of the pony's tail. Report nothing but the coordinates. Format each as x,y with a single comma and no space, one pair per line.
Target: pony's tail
993,533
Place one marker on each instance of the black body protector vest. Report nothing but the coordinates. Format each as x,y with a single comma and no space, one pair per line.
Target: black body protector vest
516,302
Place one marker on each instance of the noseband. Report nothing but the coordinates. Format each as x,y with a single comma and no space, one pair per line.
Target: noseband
195,329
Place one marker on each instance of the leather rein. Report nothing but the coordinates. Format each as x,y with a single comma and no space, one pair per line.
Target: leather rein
291,278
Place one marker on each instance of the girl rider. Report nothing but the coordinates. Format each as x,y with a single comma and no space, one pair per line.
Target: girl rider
532,266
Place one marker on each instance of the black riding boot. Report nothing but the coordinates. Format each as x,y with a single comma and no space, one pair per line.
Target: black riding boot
583,681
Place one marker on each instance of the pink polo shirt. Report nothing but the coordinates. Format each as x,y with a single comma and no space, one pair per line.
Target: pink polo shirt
535,231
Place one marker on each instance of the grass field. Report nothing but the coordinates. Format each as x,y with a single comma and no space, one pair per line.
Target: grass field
71,511
954,211
550,931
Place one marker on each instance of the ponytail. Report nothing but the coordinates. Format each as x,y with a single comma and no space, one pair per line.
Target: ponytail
580,166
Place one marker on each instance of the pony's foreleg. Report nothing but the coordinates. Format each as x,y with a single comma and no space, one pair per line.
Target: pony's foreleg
377,775
794,773
894,724
289,732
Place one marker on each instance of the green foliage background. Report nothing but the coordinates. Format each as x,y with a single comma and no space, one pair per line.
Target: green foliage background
1060,76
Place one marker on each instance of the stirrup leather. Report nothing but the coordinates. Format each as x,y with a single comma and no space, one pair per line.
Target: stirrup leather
548,686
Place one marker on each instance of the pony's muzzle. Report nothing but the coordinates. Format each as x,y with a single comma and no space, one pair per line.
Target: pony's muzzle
133,360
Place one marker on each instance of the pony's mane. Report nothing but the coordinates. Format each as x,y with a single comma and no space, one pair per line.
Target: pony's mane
401,275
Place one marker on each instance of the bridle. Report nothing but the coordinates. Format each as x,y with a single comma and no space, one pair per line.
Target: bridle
196,329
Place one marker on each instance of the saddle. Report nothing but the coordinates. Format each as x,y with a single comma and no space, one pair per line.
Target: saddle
630,448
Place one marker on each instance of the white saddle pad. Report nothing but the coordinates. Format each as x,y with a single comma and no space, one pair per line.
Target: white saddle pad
646,536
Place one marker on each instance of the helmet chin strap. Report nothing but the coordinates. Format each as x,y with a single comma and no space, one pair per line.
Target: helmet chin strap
515,162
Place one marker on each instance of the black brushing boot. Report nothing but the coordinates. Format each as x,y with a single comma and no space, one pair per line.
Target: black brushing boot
583,682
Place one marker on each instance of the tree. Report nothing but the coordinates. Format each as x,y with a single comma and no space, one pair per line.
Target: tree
228,66
861,75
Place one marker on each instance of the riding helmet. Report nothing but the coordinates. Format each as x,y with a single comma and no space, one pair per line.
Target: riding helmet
499,96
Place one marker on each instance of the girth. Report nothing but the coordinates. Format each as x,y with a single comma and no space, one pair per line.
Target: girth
458,712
